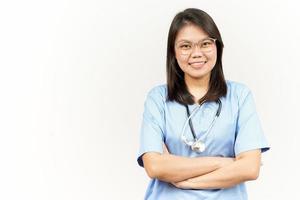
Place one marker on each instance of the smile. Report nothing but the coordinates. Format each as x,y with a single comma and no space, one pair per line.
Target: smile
197,64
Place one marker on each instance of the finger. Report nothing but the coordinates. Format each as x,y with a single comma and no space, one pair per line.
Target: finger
165,149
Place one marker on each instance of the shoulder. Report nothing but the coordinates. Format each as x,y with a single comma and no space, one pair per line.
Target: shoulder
237,87
238,91
155,101
158,93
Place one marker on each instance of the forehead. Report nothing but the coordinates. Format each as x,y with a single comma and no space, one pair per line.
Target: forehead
191,33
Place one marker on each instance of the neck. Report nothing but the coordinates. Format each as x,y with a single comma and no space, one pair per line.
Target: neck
197,87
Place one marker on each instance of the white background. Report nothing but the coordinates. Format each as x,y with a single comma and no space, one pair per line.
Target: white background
73,79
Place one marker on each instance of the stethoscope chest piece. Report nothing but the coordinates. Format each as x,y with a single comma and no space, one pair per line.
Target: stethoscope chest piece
198,146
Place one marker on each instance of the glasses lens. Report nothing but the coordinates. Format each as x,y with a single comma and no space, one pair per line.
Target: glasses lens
185,47
207,45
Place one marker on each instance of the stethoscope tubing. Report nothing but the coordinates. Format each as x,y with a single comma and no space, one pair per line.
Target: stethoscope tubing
188,121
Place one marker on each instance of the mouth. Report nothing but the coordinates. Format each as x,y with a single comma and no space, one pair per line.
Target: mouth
198,64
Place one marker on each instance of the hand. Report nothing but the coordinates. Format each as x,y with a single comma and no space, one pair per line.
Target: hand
183,185
165,149
193,180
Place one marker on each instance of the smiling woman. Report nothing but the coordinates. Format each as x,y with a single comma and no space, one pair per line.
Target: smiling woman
212,150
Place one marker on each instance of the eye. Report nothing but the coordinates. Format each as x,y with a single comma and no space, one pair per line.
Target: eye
207,43
185,46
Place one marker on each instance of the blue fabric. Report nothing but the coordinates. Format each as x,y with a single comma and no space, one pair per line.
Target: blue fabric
236,130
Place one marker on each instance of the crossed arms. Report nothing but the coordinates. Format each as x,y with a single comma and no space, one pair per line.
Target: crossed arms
203,172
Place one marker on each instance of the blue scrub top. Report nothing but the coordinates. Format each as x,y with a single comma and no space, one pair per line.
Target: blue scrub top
236,130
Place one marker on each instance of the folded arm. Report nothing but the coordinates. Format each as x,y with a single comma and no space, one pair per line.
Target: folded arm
245,168
172,168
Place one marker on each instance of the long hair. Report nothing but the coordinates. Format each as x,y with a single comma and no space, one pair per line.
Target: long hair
177,89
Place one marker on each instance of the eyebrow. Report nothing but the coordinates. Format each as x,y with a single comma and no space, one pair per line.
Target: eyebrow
185,40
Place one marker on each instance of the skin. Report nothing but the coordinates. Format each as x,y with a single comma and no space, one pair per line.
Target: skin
200,172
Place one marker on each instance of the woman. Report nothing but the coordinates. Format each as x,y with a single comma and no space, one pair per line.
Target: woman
200,137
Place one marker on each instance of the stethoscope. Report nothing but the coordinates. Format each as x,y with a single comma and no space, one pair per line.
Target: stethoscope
198,145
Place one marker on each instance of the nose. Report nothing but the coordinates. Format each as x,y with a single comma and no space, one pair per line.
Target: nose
196,52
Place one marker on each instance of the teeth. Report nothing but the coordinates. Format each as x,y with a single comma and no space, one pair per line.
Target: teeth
198,62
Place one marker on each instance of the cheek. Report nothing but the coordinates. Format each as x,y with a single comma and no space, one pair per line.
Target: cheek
215,55
182,65
181,62
213,58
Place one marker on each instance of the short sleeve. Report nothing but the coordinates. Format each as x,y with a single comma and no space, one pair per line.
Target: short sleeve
152,128
249,133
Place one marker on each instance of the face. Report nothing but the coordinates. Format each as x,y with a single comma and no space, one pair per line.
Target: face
197,62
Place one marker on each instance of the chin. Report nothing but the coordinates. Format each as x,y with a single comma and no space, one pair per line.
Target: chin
198,75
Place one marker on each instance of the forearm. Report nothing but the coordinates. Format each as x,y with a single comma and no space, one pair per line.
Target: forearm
225,177
172,168
228,176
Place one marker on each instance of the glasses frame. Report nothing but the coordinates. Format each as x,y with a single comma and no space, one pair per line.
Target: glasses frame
194,45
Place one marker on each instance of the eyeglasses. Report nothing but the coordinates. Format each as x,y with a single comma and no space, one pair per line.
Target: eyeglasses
206,45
